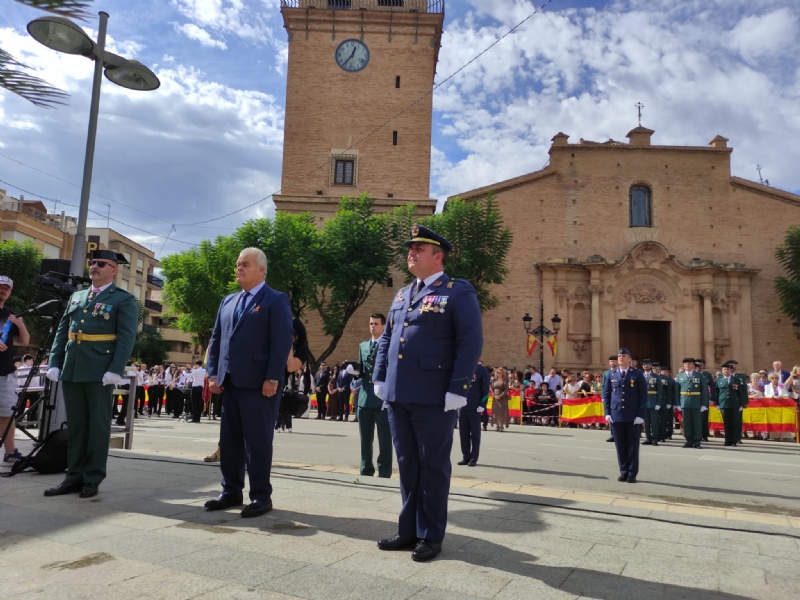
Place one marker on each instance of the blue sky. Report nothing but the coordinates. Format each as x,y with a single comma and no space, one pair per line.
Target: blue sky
209,141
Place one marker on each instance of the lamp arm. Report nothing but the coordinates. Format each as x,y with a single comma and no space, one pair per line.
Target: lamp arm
110,59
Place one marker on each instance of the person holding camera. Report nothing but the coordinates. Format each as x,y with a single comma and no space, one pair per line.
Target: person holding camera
12,332
93,343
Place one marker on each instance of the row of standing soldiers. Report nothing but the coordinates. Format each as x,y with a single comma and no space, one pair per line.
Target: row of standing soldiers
693,391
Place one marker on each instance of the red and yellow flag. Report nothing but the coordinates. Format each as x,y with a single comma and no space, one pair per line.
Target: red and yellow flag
552,343
532,343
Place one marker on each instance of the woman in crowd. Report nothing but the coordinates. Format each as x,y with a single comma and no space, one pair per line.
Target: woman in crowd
169,388
597,384
333,395
762,380
775,389
156,390
500,400
547,397
793,383
298,358
515,380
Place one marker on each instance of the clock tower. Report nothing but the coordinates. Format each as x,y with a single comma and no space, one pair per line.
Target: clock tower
359,103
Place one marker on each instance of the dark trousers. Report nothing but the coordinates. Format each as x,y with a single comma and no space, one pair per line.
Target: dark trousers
88,408
729,421
140,399
246,434
197,403
423,439
651,425
156,399
704,425
172,403
670,421
322,407
469,430
344,399
692,425
626,440
663,417
370,419
738,426
216,405
485,418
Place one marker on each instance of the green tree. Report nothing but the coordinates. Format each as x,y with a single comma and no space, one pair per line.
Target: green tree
150,347
351,258
788,286
22,263
14,75
196,281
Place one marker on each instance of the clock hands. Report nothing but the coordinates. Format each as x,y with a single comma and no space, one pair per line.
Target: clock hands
352,54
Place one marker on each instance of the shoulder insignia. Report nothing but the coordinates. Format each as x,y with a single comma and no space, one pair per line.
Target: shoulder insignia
437,283
450,285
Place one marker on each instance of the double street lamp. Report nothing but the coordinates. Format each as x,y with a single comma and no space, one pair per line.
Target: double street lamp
540,332
63,35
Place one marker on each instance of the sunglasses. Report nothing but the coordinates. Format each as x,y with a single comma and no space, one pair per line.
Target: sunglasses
99,263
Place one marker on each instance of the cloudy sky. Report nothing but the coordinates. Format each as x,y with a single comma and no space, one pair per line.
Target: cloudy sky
209,140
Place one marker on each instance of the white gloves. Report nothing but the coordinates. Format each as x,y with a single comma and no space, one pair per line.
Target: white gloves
53,373
480,409
703,408
669,405
638,421
741,409
350,370
453,401
608,419
111,378
658,407
385,406
378,388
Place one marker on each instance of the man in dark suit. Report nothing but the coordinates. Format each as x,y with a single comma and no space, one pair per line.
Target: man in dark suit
732,397
247,359
625,401
469,417
321,380
343,385
424,365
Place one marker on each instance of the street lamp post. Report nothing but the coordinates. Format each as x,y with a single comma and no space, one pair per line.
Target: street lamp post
62,35
540,332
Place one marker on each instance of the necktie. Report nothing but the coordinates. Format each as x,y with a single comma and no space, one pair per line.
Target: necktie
240,308
415,289
94,292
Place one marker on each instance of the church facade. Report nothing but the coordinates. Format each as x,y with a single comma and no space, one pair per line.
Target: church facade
655,248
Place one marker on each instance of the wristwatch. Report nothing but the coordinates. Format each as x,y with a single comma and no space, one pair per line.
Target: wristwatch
275,381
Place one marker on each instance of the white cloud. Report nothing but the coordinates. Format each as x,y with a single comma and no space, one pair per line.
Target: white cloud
193,32
769,34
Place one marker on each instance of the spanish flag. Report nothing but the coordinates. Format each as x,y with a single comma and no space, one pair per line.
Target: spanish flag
552,343
532,343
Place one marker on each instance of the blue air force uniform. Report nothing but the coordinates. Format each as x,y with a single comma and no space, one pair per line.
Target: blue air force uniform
469,419
429,349
625,400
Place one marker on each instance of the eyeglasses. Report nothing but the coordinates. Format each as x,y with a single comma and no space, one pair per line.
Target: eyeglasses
99,263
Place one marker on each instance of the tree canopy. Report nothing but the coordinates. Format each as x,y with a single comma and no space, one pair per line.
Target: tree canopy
21,262
788,286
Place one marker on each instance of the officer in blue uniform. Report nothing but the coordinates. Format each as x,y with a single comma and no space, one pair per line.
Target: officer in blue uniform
469,417
424,365
625,401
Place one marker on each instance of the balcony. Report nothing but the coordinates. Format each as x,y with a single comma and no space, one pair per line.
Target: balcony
155,280
152,305
414,6
147,328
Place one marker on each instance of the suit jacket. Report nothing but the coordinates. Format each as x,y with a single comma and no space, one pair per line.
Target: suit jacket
625,398
321,379
366,366
655,390
733,394
431,344
258,347
88,361
479,390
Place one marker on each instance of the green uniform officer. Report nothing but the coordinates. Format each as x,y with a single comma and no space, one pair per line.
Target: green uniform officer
731,398
691,391
669,411
745,400
666,399
655,400
712,394
93,343
369,412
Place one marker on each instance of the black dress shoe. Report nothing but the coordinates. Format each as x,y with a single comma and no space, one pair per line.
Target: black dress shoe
647,443
655,443
632,479
257,508
622,478
611,439
64,488
398,543
463,462
223,502
472,463
89,490
705,439
686,445
698,446
426,551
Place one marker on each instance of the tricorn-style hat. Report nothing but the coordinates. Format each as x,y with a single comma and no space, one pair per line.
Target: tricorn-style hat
109,255
423,235
688,360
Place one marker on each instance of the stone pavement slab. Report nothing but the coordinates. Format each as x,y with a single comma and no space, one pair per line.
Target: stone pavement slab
319,544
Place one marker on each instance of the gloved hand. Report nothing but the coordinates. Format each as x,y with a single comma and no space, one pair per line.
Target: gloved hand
385,406
480,409
741,409
638,421
669,406
453,401
350,370
377,386
53,373
658,407
703,408
111,378
608,419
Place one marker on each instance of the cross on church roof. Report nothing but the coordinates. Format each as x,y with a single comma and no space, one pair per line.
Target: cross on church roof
639,106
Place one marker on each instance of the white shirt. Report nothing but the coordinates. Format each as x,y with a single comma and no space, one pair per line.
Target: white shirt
537,379
772,391
198,376
249,299
101,288
426,282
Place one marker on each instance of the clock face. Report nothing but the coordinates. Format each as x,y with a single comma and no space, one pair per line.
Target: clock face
352,55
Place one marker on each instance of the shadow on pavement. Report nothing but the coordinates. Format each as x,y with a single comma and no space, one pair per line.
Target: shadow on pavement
543,472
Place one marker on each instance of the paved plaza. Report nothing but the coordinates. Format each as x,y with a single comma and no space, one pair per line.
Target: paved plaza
147,536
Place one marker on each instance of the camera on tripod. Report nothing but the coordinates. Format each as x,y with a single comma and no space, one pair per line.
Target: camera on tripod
55,283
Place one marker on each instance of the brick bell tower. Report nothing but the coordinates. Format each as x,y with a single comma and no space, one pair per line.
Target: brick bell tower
353,65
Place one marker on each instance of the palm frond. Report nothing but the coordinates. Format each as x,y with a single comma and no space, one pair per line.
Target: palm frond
76,9
32,88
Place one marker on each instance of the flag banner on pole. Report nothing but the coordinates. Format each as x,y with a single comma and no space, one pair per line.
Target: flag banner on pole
514,404
552,343
584,411
532,343
770,415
